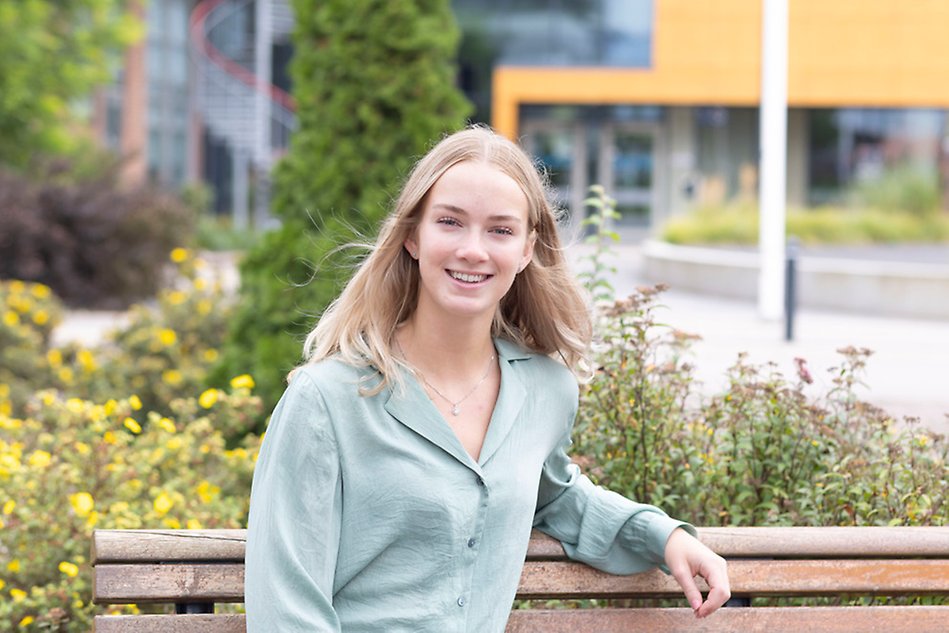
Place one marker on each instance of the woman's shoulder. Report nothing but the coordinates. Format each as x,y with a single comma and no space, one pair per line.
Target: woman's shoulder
329,376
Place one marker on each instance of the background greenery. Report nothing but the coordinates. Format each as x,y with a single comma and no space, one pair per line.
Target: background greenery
52,53
900,206
361,127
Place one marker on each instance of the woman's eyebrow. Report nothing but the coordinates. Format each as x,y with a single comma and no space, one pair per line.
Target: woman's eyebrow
498,217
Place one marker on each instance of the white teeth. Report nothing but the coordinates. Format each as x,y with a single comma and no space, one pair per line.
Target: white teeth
471,279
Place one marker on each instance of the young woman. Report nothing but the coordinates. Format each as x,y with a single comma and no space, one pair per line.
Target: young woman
409,458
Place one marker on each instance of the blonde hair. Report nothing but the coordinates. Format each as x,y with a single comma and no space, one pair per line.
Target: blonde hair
545,310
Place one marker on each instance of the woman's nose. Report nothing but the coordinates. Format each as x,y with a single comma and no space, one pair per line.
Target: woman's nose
472,247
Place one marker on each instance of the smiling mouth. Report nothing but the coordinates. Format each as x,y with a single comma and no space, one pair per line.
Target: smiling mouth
467,278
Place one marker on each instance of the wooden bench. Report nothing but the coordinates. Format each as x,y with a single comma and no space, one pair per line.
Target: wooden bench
193,569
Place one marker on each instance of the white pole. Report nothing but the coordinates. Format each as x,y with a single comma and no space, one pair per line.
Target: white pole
263,42
773,159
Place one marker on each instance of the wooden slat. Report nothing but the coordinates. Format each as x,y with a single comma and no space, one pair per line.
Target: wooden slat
548,579
115,546
729,620
129,546
175,582
800,542
222,623
121,584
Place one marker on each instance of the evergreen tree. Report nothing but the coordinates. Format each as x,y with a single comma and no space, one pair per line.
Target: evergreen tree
374,83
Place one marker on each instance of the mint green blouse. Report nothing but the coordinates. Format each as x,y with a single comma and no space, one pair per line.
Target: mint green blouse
368,515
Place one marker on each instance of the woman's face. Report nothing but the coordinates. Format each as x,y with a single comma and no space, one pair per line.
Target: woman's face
472,240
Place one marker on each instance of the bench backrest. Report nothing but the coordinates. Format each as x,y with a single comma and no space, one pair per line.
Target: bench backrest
195,568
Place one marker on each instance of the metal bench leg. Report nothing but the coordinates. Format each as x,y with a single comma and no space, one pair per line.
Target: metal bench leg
185,608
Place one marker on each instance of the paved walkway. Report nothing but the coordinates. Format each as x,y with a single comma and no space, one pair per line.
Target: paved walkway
908,374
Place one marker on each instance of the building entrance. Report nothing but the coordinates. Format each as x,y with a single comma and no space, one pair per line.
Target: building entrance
621,156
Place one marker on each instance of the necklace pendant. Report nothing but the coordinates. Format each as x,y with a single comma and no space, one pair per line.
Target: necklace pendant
455,410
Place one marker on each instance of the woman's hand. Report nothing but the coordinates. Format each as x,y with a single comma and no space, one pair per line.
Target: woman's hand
686,557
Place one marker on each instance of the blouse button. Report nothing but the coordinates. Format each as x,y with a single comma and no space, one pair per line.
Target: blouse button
480,481
472,542
461,601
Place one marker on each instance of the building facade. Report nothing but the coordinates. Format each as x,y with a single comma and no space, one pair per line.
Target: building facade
673,121
657,100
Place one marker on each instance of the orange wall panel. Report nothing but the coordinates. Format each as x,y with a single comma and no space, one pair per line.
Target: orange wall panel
886,53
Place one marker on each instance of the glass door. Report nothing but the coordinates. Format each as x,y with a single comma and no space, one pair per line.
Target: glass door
627,170
561,149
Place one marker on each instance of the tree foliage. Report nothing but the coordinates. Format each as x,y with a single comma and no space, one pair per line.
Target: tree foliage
374,87
51,54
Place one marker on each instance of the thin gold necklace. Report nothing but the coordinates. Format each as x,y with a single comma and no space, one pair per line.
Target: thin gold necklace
455,406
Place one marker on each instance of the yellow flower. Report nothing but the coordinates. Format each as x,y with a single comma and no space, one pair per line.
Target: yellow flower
210,355
2,584
82,503
18,595
204,307
92,519
11,318
207,491
110,406
172,376
176,297
200,284
41,317
48,398
193,524
26,621
4,390
132,425
109,437
167,425
208,398
69,569
40,291
8,507
134,402
244,381
14,565
66,375
173,444
82,448
40,459
167,337
163,503
86,360
179,255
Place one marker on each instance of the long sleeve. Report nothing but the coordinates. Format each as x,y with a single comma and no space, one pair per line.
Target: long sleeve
596,526
294,525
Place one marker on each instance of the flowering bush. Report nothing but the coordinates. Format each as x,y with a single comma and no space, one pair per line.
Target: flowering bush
763,452
165,351
70,465
28,314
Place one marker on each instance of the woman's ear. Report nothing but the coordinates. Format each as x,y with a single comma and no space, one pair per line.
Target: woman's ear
411,247
528,251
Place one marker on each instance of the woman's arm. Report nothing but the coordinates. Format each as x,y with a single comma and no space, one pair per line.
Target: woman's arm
619,536
294,525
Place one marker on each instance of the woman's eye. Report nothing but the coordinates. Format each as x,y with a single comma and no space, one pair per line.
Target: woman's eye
503,230
448,221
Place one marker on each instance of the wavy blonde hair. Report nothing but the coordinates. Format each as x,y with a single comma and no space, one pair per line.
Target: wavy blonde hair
545,310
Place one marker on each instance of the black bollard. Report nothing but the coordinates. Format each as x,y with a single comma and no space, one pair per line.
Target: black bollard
790,288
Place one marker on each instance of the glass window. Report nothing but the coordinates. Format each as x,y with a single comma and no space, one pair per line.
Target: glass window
850,146
560,32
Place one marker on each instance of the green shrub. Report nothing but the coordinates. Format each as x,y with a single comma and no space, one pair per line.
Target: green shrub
738,224
70,465
907,189
94,240
763,452
361,127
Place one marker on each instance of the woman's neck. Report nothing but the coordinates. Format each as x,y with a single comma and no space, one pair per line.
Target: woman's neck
453,351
